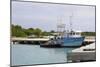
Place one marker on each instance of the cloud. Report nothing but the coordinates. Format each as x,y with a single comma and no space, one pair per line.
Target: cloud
46,15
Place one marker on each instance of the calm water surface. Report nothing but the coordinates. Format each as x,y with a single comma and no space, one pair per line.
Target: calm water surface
34,54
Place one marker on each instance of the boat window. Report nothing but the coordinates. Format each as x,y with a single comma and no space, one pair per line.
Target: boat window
77,33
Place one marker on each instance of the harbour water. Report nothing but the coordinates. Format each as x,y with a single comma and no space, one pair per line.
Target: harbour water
22,54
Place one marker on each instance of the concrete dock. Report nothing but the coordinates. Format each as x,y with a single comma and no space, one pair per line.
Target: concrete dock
28,40
90,38
84,53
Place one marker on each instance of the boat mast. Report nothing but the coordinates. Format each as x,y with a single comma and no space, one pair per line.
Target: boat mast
70,20
60,28
70,23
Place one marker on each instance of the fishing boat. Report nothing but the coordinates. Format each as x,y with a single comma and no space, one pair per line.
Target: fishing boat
65,38
72,39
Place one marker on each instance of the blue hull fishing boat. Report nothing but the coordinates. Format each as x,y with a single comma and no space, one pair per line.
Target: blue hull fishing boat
73,41
65,38
69,41
64,42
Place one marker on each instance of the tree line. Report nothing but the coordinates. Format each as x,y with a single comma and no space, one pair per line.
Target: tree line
18,31
88,33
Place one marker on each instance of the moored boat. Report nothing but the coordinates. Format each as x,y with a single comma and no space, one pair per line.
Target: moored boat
65,38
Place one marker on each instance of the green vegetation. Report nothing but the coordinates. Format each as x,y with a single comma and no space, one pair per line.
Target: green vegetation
38,32
18,31
88,33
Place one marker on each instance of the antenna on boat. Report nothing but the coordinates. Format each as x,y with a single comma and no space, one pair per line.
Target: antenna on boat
60,27
70,18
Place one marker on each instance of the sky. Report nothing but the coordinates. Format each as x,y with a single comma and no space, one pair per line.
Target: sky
46,16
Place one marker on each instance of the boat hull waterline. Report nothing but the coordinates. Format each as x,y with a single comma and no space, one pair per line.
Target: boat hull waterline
65,42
